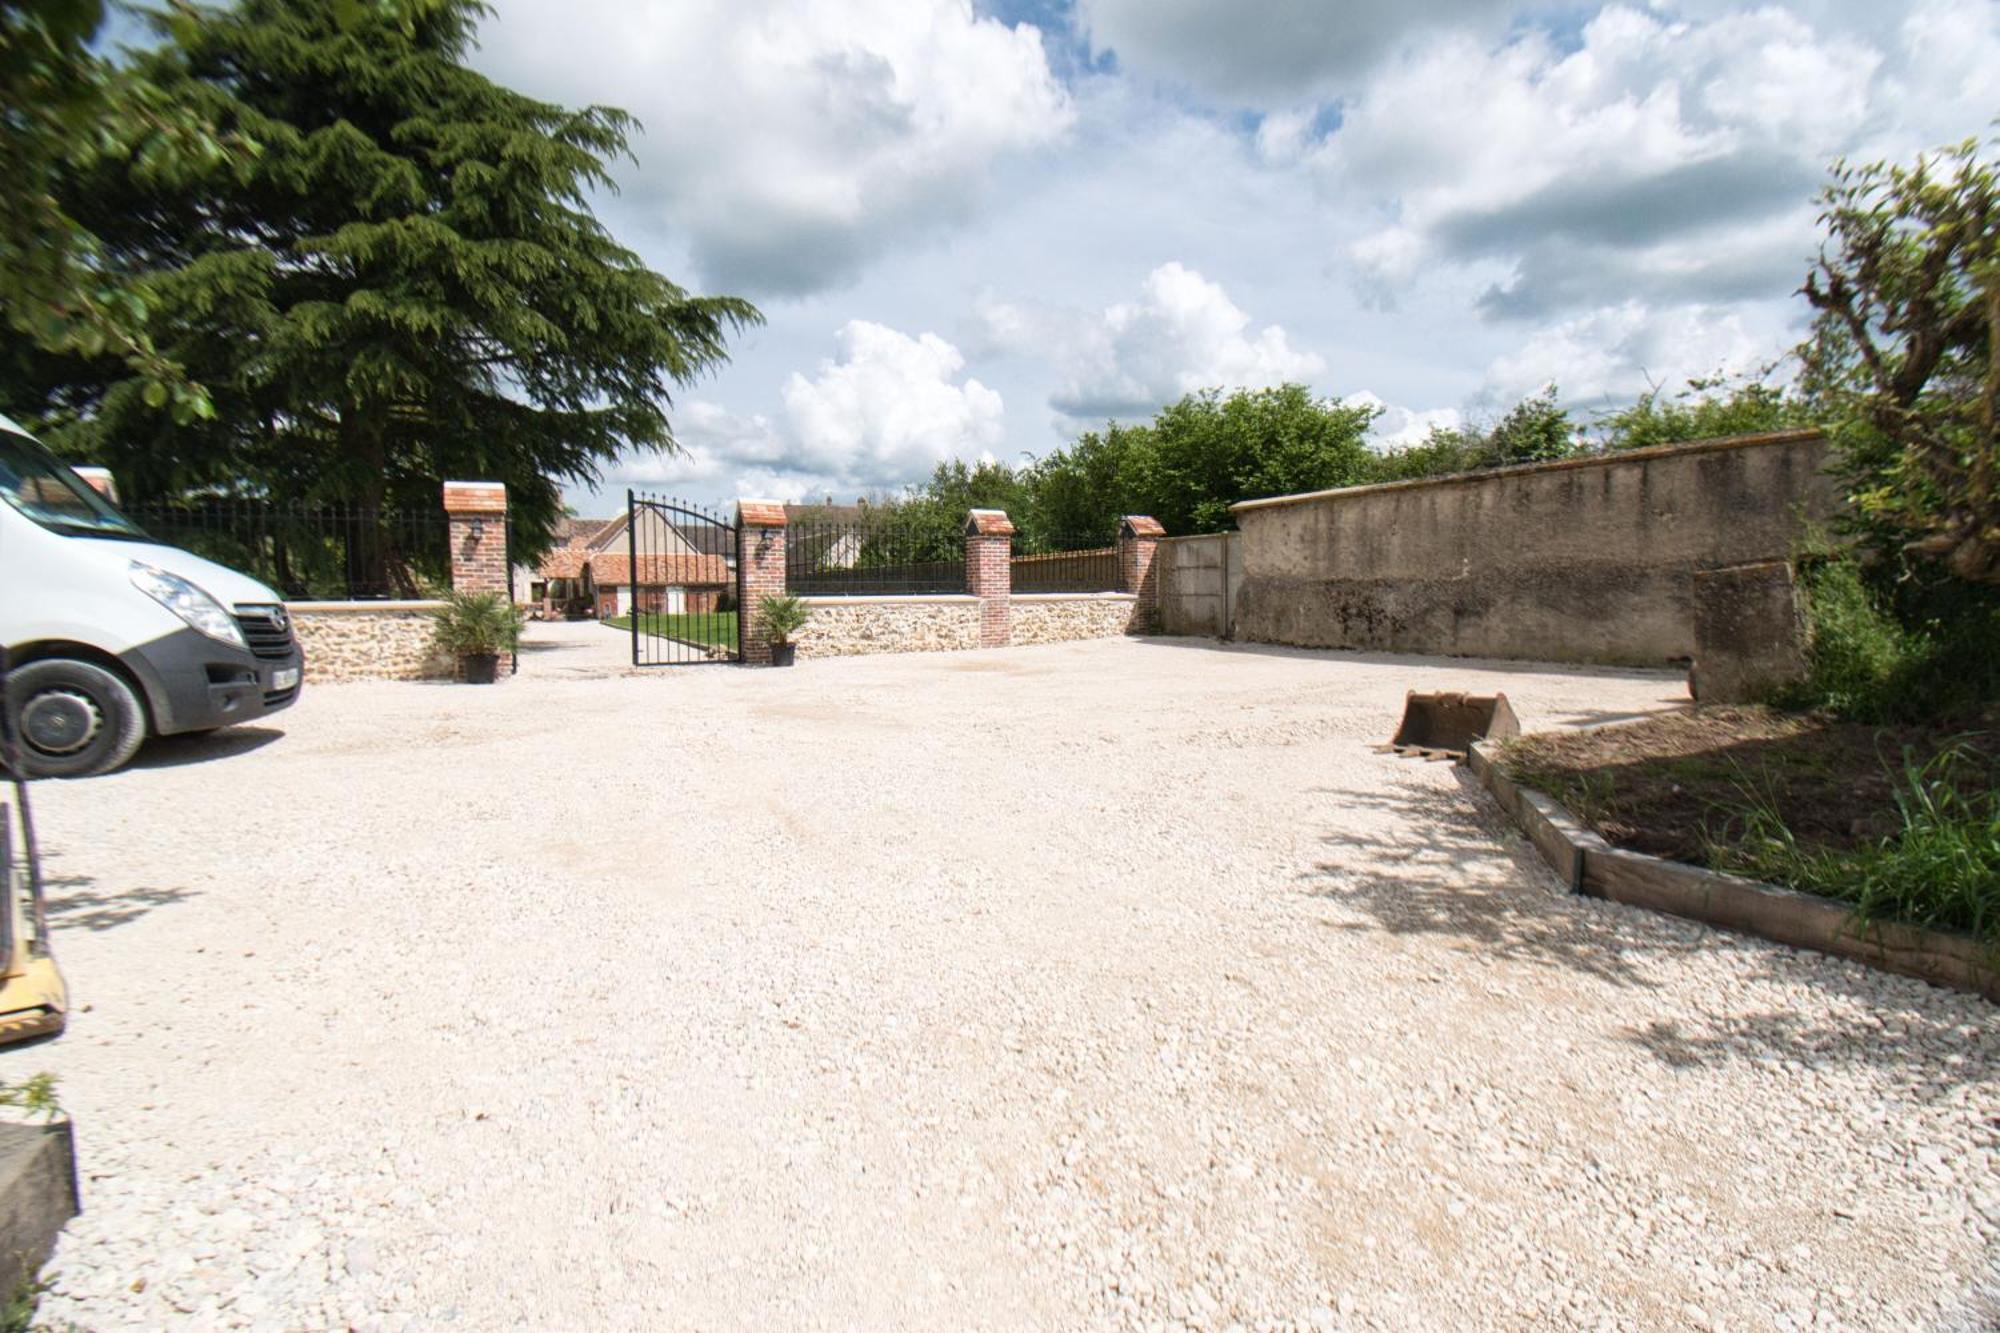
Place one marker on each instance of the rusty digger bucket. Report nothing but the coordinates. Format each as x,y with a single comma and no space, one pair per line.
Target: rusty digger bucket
1444,725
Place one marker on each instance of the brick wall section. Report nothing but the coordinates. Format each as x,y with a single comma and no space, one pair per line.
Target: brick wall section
1138,542
760,570
989,571
477,513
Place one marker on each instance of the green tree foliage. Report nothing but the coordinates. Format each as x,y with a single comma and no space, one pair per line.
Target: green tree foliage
1197,458
1209,452
1083,489
931,518
1707,409
1444,451
1535,430
65,111
1905,352
404,283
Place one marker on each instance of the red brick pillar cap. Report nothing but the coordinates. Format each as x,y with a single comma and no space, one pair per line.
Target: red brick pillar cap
988,523
1138,525
760,514
475,497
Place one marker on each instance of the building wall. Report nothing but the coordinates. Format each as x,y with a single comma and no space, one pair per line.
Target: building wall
1058,617
1588,560
368,641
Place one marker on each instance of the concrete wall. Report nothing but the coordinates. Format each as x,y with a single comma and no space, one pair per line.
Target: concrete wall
1586,560
847,626
368,641
1200,584
1060,617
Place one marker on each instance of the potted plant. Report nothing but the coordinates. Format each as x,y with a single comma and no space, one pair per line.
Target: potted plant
782,617
476,627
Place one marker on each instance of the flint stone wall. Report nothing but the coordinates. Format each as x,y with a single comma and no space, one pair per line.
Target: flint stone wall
368,641
1059,617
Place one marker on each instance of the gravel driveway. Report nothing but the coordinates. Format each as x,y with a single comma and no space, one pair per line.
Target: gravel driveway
1095,985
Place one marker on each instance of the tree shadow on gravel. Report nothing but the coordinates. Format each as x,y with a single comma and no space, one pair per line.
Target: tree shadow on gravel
74,903
1463,874
1440,878
1929,1043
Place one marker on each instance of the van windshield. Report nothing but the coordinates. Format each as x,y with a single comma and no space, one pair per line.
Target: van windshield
40,485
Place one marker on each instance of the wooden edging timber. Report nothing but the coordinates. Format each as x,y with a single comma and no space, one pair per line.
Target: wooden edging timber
1590,865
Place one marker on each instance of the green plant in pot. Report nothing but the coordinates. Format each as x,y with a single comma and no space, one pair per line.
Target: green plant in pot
475,628
782,617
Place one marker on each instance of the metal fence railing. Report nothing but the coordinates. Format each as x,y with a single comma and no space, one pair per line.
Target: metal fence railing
1067,564
883,556
310,552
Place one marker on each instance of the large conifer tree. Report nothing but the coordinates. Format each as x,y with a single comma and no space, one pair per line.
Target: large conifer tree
402,281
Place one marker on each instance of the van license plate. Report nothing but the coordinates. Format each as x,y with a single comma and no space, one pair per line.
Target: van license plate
284,678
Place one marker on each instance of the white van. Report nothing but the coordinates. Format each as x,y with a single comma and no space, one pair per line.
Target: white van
114,636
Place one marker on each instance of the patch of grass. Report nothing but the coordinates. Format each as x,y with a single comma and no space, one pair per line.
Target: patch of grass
1939,867
710,627
1903,822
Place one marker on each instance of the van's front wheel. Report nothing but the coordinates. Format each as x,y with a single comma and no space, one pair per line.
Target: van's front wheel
76,719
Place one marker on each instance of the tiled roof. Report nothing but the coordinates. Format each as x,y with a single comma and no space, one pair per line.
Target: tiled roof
672,571
580,531
565,562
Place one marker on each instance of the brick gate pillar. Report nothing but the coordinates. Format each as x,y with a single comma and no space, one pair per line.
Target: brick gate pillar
760,571
1138,540
476,514
989,572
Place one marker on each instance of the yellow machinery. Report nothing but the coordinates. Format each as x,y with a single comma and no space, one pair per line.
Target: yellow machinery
33,996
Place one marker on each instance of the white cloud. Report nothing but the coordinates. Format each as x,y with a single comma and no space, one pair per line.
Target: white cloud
890,408
1182,334
1611,356
880,414
1395,426
1640,150
1255,52
791,141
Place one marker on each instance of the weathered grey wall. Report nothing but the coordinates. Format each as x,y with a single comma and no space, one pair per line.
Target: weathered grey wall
1200,583
369,641
1586,560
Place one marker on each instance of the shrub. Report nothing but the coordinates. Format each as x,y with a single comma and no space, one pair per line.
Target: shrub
782,617
473,624
1895,643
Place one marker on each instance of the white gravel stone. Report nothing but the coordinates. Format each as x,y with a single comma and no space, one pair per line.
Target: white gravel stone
1100,985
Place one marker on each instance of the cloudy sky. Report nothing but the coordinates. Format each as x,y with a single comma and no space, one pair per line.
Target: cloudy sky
977,228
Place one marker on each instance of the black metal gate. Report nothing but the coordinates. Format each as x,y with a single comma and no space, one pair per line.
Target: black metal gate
682,591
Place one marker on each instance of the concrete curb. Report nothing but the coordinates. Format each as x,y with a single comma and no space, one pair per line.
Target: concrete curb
1590,865
37,1196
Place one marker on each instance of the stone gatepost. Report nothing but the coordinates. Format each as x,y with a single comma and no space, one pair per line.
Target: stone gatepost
476,512
760,571
989,572
1138,541
1749,633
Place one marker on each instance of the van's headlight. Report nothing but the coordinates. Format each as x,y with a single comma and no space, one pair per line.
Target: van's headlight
189,603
